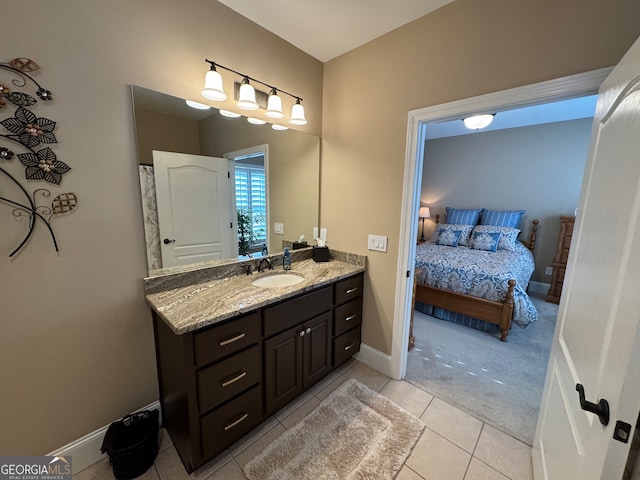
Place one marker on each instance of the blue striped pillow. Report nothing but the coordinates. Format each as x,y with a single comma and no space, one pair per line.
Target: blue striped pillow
466,217
498,218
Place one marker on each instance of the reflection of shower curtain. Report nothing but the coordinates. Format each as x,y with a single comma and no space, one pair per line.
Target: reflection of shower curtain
150,215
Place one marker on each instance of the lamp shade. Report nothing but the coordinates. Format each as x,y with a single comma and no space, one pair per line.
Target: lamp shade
297,114
424,212
477,122
213,86
247,96
274,105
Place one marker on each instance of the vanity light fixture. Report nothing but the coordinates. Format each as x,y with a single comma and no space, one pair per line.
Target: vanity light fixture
247,97
229,113
256,121
476,122
214,90
275,126
197,105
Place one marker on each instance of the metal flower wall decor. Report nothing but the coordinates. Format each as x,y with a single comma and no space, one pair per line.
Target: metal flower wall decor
26,133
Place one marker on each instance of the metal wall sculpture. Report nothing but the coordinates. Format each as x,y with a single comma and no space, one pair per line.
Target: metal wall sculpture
27,134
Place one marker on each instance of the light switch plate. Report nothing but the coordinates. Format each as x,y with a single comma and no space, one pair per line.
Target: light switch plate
278,228
315,232
377,243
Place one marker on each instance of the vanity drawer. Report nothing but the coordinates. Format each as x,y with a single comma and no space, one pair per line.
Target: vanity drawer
347,316
346,345
293,312
228,378
348,289
230,337
227,424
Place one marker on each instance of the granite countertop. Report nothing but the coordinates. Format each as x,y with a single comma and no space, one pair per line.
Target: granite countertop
191,307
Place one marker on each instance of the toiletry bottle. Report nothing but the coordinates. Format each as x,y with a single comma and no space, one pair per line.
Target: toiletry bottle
286,259
265,250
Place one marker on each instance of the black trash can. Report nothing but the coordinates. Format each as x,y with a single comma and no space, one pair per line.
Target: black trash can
132,444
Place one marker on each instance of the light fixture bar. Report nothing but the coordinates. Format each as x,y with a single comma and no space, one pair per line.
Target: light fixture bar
271,87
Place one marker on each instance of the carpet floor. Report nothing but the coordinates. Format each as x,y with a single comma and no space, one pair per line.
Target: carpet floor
355,433
497,382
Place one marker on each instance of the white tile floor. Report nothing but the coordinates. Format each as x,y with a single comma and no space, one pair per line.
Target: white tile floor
454,446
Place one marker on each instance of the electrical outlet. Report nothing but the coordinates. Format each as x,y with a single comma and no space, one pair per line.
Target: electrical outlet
377,243
548,271
278,228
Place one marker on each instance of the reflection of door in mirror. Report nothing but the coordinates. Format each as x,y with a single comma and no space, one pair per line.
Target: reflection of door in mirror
251,194
194,195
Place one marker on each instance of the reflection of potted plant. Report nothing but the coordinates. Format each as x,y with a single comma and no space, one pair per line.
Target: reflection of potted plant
245,231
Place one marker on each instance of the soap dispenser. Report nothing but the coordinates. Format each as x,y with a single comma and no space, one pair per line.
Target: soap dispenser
286,259
265,250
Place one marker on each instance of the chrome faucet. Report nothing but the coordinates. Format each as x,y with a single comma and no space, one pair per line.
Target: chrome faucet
269,264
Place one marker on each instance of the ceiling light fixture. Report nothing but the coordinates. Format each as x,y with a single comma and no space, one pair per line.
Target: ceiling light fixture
476,122
246,96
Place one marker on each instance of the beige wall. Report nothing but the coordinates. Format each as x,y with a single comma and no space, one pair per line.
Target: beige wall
538,168
76,349
464,49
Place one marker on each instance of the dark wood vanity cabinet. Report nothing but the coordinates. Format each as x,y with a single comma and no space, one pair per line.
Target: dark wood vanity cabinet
219,382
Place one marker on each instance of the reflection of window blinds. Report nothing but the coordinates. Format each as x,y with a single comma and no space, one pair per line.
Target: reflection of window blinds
251,195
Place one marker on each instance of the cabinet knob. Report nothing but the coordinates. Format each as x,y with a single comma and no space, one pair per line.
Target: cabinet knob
308,330
302,333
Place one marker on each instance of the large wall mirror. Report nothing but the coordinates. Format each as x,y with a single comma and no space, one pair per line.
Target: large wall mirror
273,181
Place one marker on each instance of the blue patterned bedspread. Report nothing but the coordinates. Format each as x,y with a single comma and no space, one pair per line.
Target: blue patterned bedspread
480,274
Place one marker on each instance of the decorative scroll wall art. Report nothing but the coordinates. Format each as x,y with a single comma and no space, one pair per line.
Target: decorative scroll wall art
24,136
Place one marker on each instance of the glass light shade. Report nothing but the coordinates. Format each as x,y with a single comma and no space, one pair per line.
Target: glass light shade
197,105
297,115
477,122
279,127
424,212
256,121
213,89
230,114
247,97
274,106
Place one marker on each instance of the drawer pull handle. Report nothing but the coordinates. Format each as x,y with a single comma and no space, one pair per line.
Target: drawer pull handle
349,346
351,290
233,424
226,383
234,339
348,319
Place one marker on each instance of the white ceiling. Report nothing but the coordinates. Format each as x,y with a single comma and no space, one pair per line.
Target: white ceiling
326,29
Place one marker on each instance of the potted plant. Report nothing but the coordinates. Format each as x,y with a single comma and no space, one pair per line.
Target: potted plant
245,231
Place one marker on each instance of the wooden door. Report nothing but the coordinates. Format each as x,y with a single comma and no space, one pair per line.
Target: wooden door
316,349
283,368
196,212
596,343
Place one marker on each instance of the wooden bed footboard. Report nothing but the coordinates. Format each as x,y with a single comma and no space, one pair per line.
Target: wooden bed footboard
498,313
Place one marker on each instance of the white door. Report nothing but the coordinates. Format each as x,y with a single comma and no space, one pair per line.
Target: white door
196,212
596,342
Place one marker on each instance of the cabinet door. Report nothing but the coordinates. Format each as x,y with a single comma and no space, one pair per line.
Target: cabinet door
316,351
283,369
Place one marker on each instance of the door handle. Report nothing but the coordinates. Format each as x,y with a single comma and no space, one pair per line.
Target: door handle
601,409
166,241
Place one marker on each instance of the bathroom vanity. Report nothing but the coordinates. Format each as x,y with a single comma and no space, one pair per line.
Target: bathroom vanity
230,354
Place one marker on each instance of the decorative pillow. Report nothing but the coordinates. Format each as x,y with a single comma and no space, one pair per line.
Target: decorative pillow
485,240
466,217
449,238
502,218
506,236
463,238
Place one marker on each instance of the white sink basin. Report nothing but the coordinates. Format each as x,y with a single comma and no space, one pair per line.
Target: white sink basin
278,280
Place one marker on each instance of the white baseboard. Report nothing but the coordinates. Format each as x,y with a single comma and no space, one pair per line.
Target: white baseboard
85,451
539,287
375,359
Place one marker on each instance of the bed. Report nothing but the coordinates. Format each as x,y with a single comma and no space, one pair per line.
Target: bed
476,283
